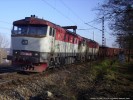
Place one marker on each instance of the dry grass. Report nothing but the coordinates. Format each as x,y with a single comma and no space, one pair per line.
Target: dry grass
76,82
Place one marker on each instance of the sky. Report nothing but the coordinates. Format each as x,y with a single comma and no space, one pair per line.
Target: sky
61,12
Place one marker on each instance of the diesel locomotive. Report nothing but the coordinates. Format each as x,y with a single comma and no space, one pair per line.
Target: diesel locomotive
38,44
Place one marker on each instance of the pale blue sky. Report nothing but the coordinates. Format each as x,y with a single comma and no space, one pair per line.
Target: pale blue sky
61,12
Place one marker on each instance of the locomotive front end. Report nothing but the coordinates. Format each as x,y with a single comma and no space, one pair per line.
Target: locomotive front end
29,44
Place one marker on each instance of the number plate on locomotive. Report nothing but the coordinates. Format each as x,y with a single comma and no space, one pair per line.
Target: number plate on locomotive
26,53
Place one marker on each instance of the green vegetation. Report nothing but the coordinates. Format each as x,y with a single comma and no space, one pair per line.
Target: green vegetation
116,79
104,79
104,70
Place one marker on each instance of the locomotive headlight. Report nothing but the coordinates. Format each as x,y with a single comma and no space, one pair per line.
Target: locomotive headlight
36,54
16,52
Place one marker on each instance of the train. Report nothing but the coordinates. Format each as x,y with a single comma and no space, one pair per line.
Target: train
38,44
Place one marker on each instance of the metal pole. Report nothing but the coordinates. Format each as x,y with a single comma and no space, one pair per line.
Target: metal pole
93,35
103,40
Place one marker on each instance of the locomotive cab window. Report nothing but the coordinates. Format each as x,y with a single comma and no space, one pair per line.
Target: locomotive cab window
52,32
29,30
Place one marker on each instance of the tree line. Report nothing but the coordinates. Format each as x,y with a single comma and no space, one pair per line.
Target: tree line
4,43
119,14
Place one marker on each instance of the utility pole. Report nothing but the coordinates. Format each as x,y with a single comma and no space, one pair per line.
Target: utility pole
93,35
103,39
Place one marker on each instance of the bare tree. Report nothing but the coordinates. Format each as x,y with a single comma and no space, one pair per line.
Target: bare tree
4,43
119,14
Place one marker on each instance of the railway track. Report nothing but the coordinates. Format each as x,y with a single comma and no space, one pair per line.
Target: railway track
8,74
9,69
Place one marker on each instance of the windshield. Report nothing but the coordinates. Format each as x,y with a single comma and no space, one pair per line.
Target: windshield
29,30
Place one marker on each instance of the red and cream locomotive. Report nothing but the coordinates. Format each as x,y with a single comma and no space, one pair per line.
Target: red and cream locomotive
38,44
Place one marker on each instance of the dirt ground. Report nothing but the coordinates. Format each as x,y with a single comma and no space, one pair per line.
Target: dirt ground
74,82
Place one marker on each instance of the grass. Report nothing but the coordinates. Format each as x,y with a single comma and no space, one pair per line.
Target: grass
116,78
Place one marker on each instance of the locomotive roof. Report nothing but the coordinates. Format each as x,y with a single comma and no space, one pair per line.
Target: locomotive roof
33,21
41,22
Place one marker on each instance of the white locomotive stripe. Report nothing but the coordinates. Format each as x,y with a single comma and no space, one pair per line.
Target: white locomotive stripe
45,45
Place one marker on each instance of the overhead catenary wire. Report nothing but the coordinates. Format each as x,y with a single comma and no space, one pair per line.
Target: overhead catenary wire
4,22
94,20
83,20
65,15
85,29
58,11
53,7
79,17
5,28
93,26
74,14
71,11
